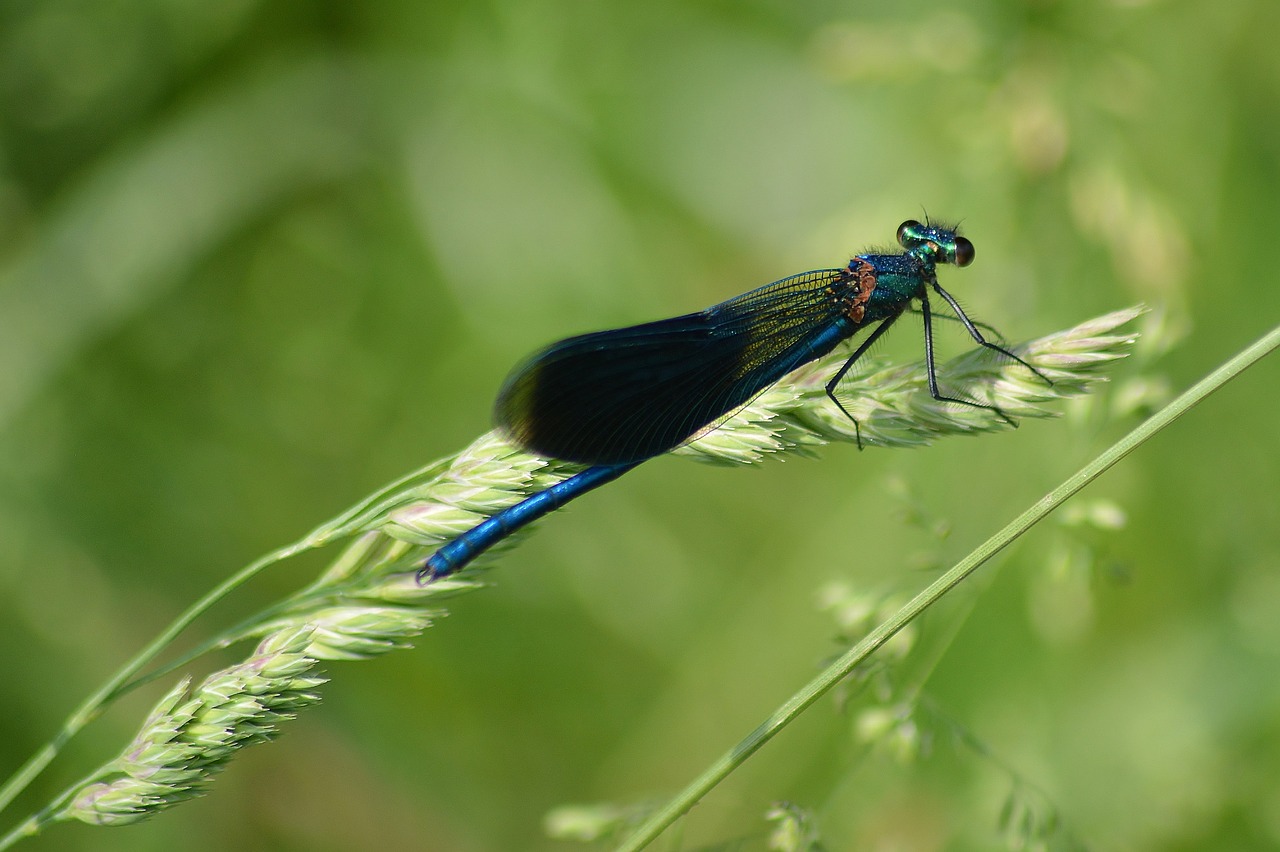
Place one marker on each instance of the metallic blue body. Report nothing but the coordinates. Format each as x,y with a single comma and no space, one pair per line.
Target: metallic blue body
462,550
484,535
615,398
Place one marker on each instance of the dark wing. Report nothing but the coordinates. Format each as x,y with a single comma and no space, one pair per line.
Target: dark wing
624,395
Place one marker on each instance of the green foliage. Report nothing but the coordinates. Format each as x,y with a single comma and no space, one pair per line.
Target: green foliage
256,259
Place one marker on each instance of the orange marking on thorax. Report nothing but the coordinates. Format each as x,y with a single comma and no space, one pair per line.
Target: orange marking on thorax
863,279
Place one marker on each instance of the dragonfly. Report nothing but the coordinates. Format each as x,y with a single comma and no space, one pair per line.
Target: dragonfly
614,399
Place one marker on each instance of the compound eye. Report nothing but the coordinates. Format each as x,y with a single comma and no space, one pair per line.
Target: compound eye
905,232
964,252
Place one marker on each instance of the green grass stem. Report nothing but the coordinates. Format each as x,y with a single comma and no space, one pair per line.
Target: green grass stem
367,602
841,668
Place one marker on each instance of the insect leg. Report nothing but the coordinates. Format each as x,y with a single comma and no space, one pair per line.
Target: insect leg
930,367
857,353
971,327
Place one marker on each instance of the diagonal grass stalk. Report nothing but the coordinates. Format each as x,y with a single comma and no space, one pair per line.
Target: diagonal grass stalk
367,602
841,668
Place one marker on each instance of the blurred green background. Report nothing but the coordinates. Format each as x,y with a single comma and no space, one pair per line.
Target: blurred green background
257,259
